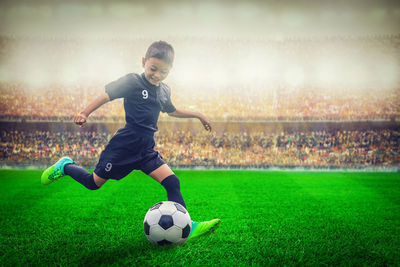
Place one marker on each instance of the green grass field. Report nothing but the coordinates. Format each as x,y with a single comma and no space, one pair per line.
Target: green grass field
277,218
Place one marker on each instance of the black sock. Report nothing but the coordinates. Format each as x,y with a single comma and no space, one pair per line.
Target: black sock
172,185
81,175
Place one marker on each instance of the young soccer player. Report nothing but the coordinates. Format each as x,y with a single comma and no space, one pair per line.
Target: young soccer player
132,147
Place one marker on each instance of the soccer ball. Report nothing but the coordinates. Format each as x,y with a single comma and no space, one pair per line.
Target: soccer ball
167,223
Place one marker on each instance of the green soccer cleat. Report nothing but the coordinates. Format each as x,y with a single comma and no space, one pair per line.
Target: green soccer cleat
201,228
56,171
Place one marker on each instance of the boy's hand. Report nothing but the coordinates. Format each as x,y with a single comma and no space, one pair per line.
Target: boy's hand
206,123
80,119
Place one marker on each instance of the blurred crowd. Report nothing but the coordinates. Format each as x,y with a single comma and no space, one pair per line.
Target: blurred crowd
229,80
18,102
319,149
41,147
332,78
60,104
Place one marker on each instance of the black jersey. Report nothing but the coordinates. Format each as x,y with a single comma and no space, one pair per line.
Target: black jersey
143,101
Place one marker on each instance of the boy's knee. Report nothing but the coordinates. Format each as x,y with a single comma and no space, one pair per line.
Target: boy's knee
98,181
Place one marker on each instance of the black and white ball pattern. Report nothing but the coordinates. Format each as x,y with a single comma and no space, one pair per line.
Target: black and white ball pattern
167,223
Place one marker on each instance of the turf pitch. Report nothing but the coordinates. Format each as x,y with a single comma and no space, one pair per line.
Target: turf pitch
277,218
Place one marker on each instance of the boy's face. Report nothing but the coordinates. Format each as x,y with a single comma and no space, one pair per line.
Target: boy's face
155,70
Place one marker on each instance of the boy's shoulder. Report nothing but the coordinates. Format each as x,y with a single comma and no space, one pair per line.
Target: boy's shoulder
128,78
137,80
131,80
132,77
165,88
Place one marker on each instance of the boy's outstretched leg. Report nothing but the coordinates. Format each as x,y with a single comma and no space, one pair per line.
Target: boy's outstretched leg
56,171
66,166
81,175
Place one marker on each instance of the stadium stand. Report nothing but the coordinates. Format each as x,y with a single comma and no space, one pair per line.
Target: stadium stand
258,124
316,148
302,105
366,92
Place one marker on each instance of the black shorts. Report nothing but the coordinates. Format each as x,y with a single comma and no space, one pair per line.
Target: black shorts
129,149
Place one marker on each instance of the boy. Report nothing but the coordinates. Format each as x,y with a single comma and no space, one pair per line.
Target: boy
132,147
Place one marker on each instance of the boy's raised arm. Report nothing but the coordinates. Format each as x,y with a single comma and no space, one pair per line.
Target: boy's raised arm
80,119
179,113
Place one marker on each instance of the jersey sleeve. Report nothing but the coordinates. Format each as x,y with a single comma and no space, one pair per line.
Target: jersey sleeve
167,106
122,87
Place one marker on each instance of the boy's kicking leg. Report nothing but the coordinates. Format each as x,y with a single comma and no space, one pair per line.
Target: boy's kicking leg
170,182
66,166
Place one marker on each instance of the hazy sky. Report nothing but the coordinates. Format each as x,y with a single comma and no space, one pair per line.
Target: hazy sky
173,20
199,18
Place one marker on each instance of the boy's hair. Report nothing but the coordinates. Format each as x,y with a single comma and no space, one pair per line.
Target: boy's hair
161,50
